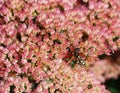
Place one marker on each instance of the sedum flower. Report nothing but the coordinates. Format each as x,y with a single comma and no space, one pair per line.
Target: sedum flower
38,39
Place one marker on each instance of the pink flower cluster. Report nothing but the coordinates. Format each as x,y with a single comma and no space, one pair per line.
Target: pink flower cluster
35,35
107,68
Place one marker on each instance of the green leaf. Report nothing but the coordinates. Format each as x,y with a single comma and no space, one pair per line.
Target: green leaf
73,63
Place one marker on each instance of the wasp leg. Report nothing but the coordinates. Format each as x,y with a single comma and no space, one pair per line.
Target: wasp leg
73,58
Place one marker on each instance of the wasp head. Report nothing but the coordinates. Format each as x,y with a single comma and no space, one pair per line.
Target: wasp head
76,52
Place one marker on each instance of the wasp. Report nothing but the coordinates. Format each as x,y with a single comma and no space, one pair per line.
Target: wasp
79,57
76,56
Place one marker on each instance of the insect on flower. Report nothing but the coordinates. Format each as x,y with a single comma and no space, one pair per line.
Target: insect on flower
75,56
79,57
